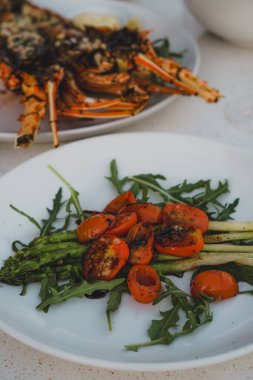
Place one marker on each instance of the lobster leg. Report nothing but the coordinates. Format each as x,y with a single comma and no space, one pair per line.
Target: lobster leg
52,87
35,110
95,104
95,115
76,104
182,78
35,99
155,88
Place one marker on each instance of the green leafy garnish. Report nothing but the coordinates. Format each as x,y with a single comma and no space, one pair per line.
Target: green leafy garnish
114,302
165,330
198,194
30,218
79,290
46,226
46,284
162,49
114,178
74,195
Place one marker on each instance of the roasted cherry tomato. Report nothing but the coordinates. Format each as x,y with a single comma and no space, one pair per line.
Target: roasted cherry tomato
214,283
178,240
191,216
105,257
120,201
143,283
94,226
140,240
123,223
146,212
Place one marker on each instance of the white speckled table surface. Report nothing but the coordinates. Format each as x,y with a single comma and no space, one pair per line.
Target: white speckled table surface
227,67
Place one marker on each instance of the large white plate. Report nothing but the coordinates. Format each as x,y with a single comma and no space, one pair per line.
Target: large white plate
77,330
10,107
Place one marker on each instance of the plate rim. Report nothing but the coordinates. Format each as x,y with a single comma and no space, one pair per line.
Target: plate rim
113,125
129,365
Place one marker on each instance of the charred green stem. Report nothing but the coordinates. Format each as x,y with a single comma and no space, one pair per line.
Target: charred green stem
231,236
230,226
204,258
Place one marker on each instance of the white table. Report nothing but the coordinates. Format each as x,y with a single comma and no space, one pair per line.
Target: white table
226,67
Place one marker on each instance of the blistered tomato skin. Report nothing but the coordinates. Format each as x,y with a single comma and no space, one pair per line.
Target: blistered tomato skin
177,213
146,212
93,227
140,240
106,256
123,224
117,203
178,240
214,283
144,283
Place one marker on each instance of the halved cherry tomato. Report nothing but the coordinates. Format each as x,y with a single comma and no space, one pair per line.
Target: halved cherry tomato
184,214
106,256
120,201
140,240
123,223
94,226
143,283
146,212
178,240
214,283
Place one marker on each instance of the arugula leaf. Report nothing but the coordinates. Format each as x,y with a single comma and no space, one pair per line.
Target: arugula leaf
17,245
165,330
48,282
160,328
150,182
225,211
23,290
114,302
186,187
198,194
114,178
46,227
30,218
47,224
74,195
79,290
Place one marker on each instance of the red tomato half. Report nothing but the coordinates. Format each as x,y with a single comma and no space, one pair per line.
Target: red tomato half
146,212
120,201
144,283
123,223
106,256
214,283
178,240
94,226
140,240
183,214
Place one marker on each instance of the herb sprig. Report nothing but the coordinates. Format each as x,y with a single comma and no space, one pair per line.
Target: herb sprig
162,49
165,330
199,194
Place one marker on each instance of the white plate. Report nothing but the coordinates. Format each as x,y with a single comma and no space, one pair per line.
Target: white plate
77,330
69,129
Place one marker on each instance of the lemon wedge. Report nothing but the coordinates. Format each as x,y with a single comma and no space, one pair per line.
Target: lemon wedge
97,20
